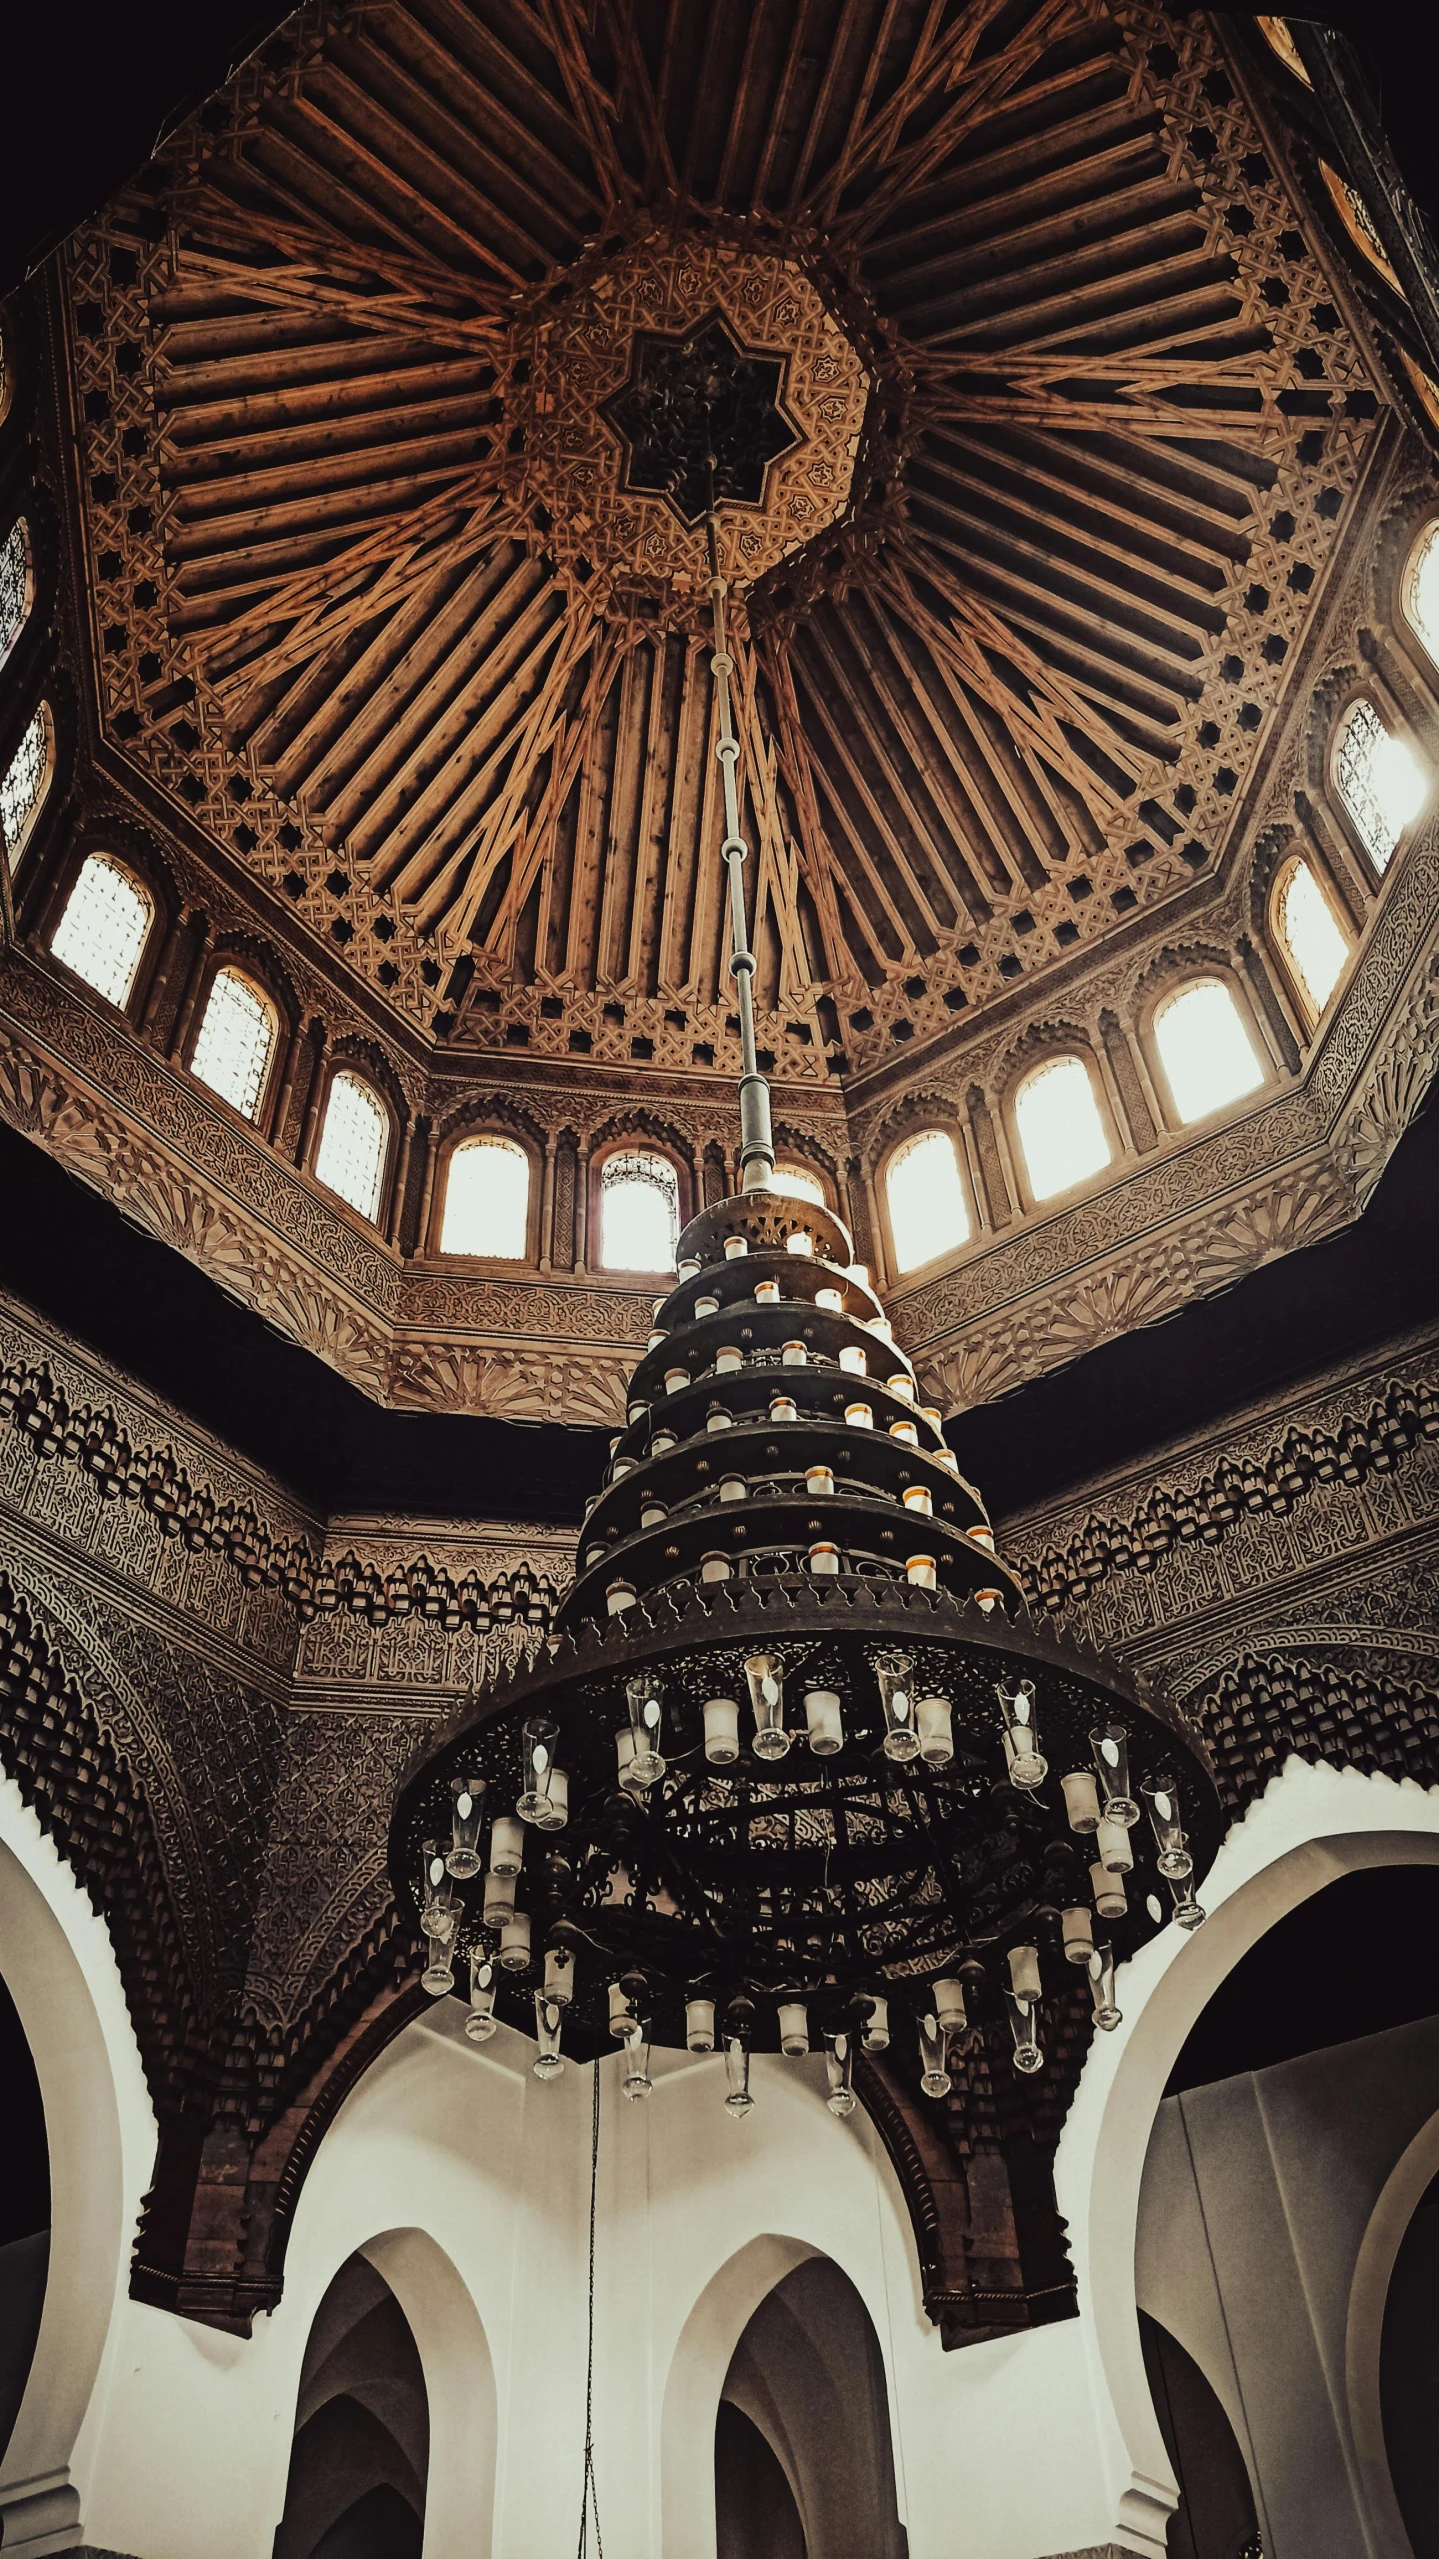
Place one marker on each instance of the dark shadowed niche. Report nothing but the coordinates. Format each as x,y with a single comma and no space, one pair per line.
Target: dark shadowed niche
358,2468
24,2215
804,2466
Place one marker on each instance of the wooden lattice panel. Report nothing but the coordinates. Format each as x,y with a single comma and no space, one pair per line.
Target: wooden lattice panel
1016,692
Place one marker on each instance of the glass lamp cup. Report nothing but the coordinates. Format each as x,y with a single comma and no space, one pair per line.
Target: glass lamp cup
922,1572
735,1247
481,2022
783,1408
700,2025
934,2076
539,1738
515,1942
793,2028
654,1512
901,1384
1023,2018
622,2015
1077,1935
721,1731
858,1417
1026,1764
636,2082
839,2071
1081,1800
1114,1846
823,1557
896,1696
766,1292
935,1721
1187,1911
439,1973
905,1433
716,1565
824,1721
919,1499
1110,1899
875,2036
624,1764
1162,1804
636,1412
619,1597
794,1355
437,1899
981,1537
688,1269
549,2019
733,1488
1110,1745
717,1419
728,1358
676,1380
499,1901
949,2006
853,1360
801,1244
662,1440
765,1675
557,1810
1100,1969
706,1306
818,1480
830,1299
646,1704
736,2061
467,1797
1024,1973
560,1974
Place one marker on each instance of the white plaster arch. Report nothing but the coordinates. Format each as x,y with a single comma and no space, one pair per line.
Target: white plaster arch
459,2386
1374,2267
1311,1825
717,2320
60,1968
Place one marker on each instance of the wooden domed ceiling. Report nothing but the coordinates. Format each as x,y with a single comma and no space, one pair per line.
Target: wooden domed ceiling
1020,590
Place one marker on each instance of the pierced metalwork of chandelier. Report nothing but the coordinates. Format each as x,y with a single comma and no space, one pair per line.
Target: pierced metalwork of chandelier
698,403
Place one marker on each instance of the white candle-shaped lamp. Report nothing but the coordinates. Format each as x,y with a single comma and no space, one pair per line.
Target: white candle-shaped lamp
824,1721
1077,1935
1081,1801
515,1942
935,1723
793,2028
700,2025
721,1731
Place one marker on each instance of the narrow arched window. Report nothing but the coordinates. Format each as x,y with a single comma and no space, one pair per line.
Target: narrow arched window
236,1041
1380,780
102,931
487,1200
639,1213
24,784
1204,1049
354,1141
795,1182
1420,590
928,1211
1061,1135
17,585
1308,933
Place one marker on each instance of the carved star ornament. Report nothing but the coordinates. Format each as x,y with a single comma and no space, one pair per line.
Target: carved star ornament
1017,410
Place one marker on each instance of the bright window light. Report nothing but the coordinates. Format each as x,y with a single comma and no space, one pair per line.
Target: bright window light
236,1038
24,784
16,586
1061,1134
1205,1049
796,1184
1381,780
353,1143
639,1213
1314,945
102,931
487,1200
928,1212
1421,589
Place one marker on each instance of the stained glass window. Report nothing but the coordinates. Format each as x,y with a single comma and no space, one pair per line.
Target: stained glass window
1204,1048
487,1199
928,1211
24,784
795,1183
353,1142
102,931
1061,1134
1421,589
16,585
236,1038
1309,931
1380,778
639,1213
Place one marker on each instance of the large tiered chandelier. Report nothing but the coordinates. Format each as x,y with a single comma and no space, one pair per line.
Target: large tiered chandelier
793,1770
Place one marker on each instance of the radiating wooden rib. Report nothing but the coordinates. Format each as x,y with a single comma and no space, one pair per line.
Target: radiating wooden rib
354,157
932,64
963,642
841,732
237,224
616,901
689,850
594,110
779,121
656,849
554,190
1199,547
634,86
308,288
778,869
450,906
1069,303
743,97
906,701
819,109
792,751
1087,147
574,745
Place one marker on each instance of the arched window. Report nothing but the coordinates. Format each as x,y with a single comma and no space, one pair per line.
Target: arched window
1061,1135
1358,221
928,1211
102,931
639,1213
1204,1048
1420,591
237,1039
17,585
25,782
795,1182
1380,779
487,1199
1308,932
354,1141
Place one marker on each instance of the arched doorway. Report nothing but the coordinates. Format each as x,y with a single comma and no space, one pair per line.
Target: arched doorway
359,2464
804,2464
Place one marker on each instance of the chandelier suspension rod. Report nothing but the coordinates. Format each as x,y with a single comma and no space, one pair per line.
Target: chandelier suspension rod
756,1133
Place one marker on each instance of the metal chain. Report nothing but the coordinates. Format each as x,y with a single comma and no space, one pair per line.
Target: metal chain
589,2495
